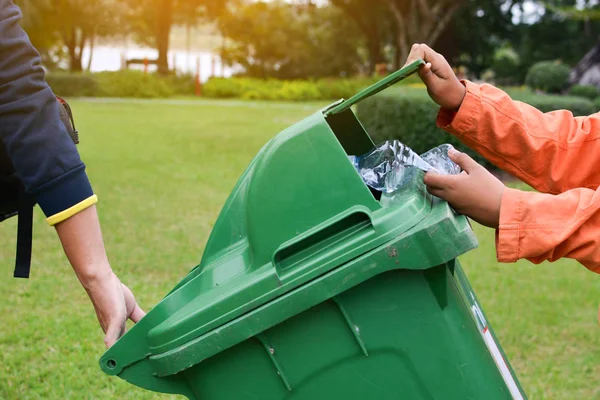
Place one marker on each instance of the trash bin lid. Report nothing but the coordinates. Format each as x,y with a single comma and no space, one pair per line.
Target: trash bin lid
377,87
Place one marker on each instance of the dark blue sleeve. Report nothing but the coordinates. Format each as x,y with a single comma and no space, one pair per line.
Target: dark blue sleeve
42,153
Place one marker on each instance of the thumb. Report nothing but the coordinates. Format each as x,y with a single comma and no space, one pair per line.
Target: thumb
427,75
463,160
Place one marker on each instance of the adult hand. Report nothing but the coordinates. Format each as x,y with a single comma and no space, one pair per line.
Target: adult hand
114,304
475,192
442,84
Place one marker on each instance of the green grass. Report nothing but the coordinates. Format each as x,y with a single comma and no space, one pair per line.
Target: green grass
162,172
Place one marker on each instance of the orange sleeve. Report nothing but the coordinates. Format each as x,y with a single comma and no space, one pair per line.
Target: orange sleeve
543,227
552,152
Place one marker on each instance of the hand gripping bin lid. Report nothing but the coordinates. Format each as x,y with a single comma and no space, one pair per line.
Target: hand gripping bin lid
310,287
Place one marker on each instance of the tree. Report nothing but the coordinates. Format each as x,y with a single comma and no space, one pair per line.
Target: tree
287,41
555,37
586,70
372,20
42,31
420,21
74,24
151,21
477,32
590,11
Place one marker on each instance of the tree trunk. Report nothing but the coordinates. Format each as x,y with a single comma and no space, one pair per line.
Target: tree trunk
70,39
421,21
375,53
402,47
79,50
92,40
163,31
392,41
438,28
586,71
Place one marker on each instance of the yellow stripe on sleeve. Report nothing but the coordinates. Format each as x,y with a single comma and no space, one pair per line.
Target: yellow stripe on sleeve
69,212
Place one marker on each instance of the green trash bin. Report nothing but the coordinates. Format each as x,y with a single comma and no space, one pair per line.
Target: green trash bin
312,286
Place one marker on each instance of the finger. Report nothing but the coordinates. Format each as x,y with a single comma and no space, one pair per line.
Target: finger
416,52
433,180
463,160
437,193
439,181
137,314
113,333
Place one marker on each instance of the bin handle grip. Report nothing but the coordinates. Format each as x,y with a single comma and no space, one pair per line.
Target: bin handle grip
327,243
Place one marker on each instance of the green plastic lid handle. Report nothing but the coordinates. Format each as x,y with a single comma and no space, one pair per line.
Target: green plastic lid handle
378,87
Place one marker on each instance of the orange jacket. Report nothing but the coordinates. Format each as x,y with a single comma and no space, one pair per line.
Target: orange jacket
555,153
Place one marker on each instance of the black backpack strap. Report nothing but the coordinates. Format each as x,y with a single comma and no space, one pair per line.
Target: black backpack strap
24,235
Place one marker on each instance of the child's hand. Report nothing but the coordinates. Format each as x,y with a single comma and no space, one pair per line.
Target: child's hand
442,84
475,192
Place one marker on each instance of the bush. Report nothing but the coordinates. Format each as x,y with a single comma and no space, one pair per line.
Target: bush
334,89
546,103
296,90
507,67
71,85
548,76
409,115
587,91
126,83
222,88
597,104
132,83
182,84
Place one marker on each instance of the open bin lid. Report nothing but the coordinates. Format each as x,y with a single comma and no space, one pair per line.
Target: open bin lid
377,87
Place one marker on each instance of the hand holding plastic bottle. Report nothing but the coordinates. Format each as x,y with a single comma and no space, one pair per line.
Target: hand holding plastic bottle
475,192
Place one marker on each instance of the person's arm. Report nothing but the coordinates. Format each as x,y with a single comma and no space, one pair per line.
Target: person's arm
534,226
114,303
47,162
544,227
553,152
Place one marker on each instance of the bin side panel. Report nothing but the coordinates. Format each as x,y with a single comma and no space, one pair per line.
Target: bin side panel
416,349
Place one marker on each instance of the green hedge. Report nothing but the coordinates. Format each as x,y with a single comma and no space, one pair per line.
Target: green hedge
271,89
409,115
71,85
126,83
586,91
134,83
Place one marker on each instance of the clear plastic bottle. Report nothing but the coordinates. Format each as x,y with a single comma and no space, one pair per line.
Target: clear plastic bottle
389,166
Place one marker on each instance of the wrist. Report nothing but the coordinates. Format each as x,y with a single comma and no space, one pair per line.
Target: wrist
461,93
95,275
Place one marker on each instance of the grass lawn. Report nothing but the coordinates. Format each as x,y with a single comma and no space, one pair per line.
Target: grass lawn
162,172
